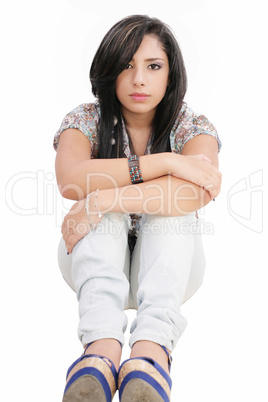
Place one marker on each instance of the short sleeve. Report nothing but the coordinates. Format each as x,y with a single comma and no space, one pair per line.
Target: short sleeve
85,118
187,126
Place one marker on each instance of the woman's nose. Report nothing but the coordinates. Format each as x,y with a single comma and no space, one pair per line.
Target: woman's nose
139,78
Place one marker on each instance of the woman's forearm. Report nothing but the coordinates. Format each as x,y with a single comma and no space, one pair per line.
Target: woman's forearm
87,175
166,196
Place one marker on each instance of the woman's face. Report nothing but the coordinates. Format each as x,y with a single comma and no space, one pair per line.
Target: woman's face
142,85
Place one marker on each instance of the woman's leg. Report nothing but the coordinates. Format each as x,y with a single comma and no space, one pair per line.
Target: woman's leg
102,288
101,285
166,260
99,275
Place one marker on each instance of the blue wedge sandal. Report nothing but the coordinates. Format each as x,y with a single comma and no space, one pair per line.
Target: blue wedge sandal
141,379
90,379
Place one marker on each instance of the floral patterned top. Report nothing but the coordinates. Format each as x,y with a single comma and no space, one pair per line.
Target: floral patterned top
188,125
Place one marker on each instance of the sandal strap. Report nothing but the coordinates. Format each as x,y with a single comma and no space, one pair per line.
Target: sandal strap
87,346
168,355
97,372
112,367
129,371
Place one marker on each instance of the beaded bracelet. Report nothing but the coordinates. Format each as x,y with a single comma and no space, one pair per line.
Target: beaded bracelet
93,224
134,169
96,203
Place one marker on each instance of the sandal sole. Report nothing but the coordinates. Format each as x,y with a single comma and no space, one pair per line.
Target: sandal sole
138,390
85,389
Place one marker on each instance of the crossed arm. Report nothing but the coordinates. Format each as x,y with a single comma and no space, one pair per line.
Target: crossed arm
174,185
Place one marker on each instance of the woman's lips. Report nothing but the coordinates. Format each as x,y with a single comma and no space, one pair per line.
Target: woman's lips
139,97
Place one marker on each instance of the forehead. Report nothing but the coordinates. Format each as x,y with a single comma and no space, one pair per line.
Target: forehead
150,47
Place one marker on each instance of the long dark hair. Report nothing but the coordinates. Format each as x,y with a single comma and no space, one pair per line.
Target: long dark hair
115,51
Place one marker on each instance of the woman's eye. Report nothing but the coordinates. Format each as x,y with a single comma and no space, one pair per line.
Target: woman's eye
128,66
154,66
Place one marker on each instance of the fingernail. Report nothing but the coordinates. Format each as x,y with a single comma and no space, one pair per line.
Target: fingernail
213,199
69,253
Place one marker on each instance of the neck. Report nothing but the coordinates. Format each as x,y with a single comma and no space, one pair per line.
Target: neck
138,122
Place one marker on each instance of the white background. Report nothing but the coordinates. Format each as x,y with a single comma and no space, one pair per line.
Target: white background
47,48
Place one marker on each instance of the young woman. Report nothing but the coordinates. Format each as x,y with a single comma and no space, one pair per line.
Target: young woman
139,163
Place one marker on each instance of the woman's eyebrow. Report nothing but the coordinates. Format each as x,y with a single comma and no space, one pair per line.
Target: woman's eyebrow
154,59
151,59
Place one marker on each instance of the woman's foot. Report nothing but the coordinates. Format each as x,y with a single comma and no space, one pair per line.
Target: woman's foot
145,376
93,377
109,348
152,350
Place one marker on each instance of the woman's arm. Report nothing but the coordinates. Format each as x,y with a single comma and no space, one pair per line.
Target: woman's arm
203,144
170,195
78,175
167,195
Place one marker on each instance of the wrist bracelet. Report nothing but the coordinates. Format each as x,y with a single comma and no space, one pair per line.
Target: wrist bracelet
134,169
95,205
88,212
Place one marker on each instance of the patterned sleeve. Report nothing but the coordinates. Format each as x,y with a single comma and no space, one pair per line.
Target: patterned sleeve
187,126
85,118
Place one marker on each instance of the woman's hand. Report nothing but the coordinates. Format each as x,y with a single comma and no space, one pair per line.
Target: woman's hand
77,224
199,170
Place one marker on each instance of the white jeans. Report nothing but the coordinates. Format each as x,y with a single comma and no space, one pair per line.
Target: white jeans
166,269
